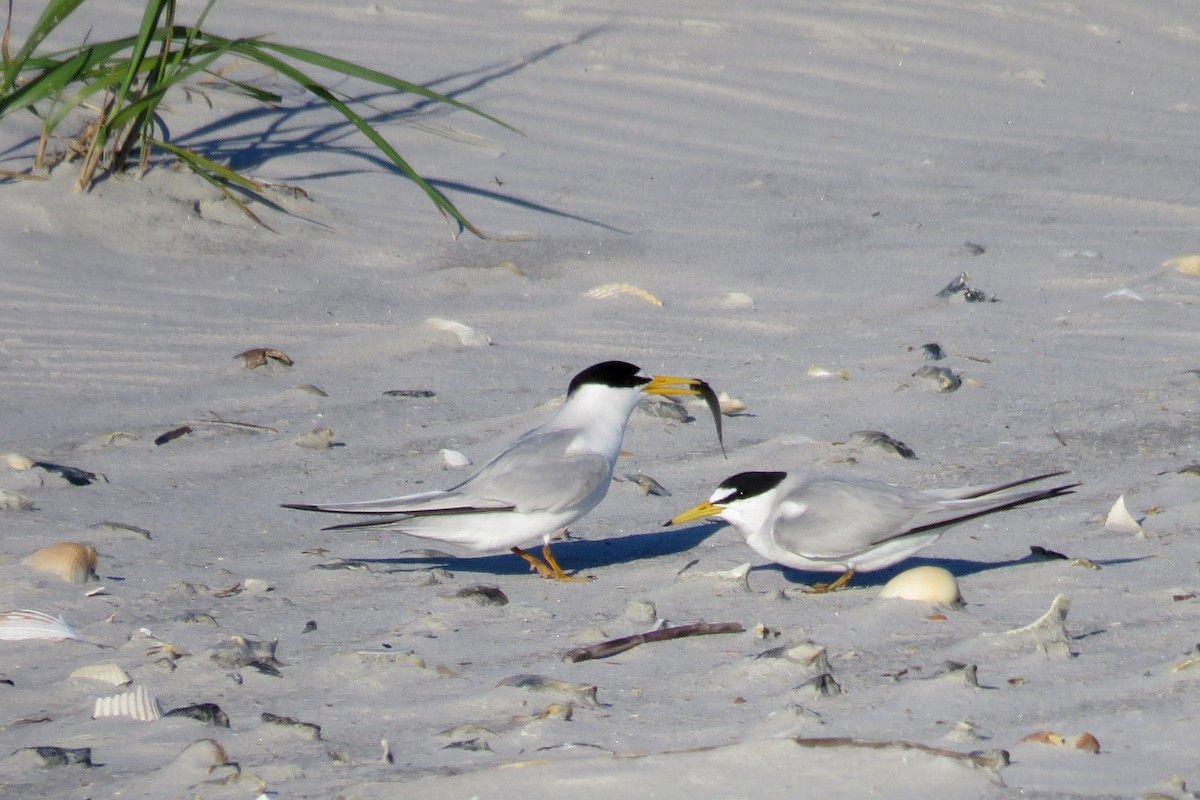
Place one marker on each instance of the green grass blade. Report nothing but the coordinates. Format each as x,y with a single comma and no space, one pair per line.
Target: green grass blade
52,16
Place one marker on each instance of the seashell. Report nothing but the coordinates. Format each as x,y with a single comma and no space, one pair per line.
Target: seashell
955,286
308,388
926,584
317,439
29,624
255,586
257,357
18,462
1050,629
1088,742
12,501
956,671
130,531
612,290
467,335
454,459
116,437
1188,265
208,713
729,405
307,730
1192,660
107,672
931,351
1124,293
820,372
242,651
60,756
647,484
1120,520
584,693
1045,737
639,611
139,704
74,562
945,379
733,300
739,575
881,439
387,757
480,594
200,757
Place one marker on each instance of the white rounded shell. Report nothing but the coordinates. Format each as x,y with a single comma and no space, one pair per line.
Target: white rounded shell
139,704
926,584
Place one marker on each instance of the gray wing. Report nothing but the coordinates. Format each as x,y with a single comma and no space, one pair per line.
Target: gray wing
833,518
538,474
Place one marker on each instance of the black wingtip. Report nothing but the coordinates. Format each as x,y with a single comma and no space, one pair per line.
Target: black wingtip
668,523
301,506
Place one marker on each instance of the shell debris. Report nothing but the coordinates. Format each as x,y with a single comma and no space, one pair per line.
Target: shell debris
14,501
924,584
1120,520
106,672
74,562
452,459
730,405
610,291
18,462
736,300
820,372
316,439
139,704
1188,265
467,336
258,357
28,623
943,377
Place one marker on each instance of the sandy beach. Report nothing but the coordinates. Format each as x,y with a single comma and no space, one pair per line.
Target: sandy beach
786,188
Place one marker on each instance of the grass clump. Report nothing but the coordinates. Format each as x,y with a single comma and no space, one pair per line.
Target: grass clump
121,84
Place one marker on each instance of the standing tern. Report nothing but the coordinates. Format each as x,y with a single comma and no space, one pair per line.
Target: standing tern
849,525
550,476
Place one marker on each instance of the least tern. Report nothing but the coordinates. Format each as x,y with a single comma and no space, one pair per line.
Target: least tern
550,477
849,525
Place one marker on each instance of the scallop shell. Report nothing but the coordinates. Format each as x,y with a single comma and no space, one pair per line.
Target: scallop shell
926,584
612,290
1120,520
74,562
18,462
139,704
106,672
27,623
318,439
467,335
1188,265
820,372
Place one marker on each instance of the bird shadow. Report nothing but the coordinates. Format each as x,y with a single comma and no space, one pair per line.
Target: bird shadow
958,567
575,555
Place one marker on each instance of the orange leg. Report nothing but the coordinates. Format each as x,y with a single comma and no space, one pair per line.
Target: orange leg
549,567
825,588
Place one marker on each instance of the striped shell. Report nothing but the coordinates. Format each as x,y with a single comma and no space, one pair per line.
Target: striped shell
106,672
612,290
74,562
1188,265
26,623
139,704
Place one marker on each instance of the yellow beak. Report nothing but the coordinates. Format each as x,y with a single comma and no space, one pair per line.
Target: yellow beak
702,511
667,384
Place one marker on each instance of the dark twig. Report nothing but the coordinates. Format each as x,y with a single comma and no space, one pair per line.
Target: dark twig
614,646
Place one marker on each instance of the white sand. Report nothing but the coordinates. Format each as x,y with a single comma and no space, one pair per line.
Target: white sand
829,162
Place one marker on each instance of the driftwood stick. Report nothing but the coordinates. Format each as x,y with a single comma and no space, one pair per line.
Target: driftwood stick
614,646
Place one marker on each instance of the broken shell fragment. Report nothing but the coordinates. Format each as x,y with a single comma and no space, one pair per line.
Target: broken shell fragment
466,335
1050,629
1087,742
820,372
925,584
317,439
730,405
647,484
107,672
12,501
257,357
309,388
1120,520
139,704
611,291
30,624
881,439
733,300
74,562
944,378
1045,737
453,459
584,693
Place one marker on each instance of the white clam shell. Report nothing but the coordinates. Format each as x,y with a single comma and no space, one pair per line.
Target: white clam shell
1120,520
106,672
28,623
318,439
454,459
610,291
730,405
925,584
18,462
467,335
139,704
737,300
12,501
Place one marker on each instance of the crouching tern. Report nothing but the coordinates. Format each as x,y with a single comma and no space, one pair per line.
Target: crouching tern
550,477
850,525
